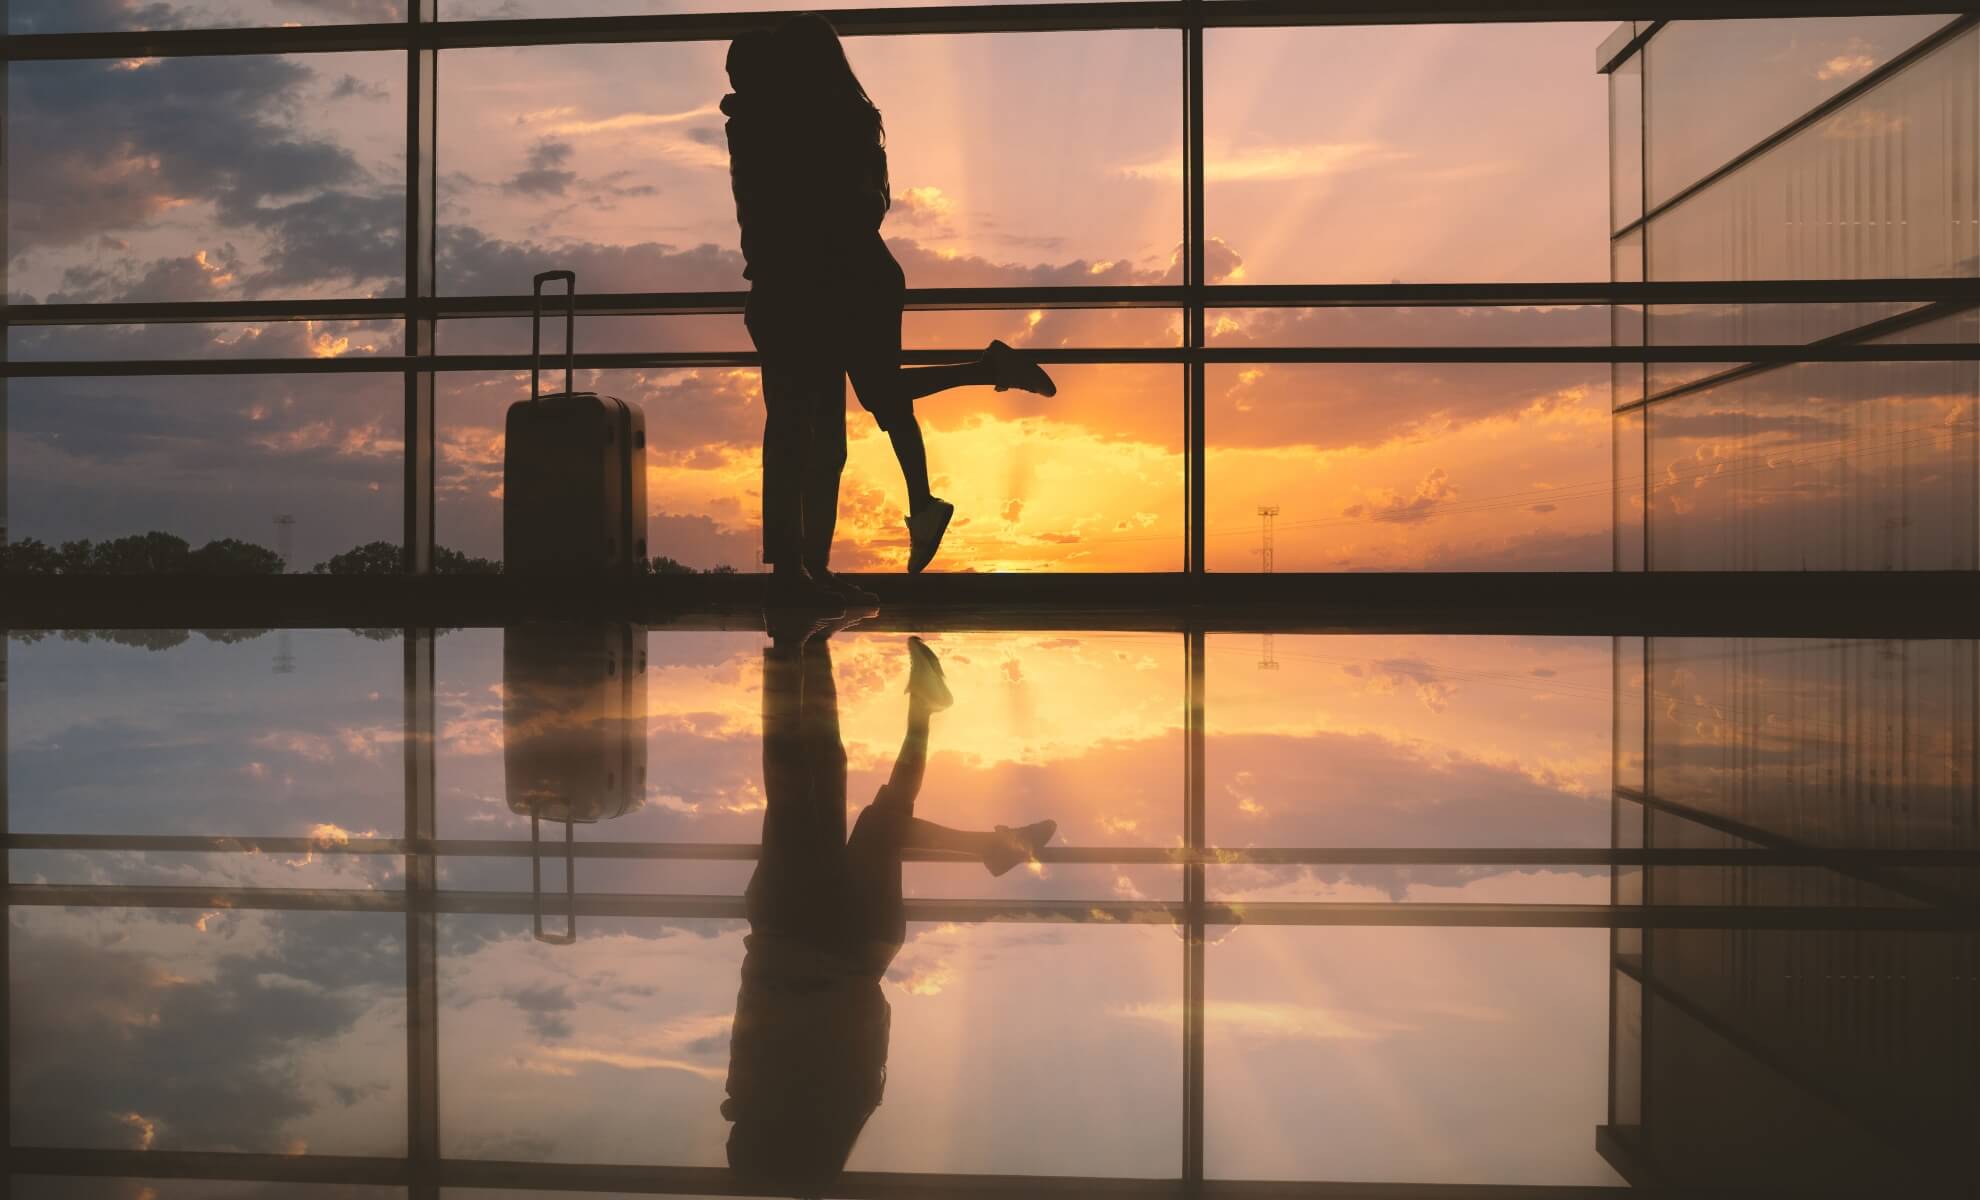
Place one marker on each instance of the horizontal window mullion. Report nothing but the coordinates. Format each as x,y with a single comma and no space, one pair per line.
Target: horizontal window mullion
1475,295
933,19
1262,355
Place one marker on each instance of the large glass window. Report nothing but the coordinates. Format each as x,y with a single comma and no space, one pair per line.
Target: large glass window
245,194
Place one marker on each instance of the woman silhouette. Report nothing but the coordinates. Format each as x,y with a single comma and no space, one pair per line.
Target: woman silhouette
808,158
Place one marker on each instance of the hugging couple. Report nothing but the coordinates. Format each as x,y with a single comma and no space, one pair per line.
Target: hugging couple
808,160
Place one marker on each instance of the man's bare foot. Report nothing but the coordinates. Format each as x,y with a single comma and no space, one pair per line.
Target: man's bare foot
1019,845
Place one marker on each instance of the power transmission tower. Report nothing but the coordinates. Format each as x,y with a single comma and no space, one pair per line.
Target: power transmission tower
285,545
285,538
1266,513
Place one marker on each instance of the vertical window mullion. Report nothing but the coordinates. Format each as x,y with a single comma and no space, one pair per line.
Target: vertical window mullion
1194,238
422,178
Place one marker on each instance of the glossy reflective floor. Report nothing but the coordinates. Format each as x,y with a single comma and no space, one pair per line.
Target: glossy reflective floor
568,909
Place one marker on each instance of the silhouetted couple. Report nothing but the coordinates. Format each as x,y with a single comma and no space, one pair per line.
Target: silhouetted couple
808,160
808,1051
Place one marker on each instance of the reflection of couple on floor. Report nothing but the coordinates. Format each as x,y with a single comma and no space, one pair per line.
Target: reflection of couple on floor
808,163
808,1052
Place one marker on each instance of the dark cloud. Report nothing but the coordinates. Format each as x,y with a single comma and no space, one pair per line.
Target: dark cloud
350,86
75,16
347,10
127,1052
474,263
545,1006
226,144
544,172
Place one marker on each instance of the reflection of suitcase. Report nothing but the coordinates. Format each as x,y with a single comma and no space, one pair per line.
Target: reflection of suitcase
574,733
573,470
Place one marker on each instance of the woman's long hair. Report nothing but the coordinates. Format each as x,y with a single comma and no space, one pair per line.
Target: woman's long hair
816,62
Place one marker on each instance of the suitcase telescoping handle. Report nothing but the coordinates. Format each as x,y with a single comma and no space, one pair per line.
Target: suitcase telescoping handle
570,333
570,883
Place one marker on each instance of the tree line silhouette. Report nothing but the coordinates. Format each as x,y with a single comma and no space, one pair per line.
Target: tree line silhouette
157,553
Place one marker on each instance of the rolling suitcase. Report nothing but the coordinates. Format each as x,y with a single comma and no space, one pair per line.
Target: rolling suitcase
573,733
573,469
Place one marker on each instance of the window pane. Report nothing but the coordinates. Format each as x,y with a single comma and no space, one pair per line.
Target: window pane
472,10
1089,481
49,1187
75,16
1044,328
1627,321
1626,142
1378,466
210,733
618,1048
1629,490
1885,187
1717,88
720,333
1442,325
1631,674
207,178
1408,741
1817,466
256,1032
1626,1050
1379,153
1767,734
1419,1056
612,160
952,330
193,460
270,339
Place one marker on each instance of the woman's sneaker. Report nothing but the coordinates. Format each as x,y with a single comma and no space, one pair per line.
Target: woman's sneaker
925,530
1019,845
926,682
1013,370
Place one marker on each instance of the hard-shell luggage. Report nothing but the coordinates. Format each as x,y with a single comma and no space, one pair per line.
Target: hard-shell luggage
573,469
574,733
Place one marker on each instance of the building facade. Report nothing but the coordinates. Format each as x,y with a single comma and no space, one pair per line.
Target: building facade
1808,149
